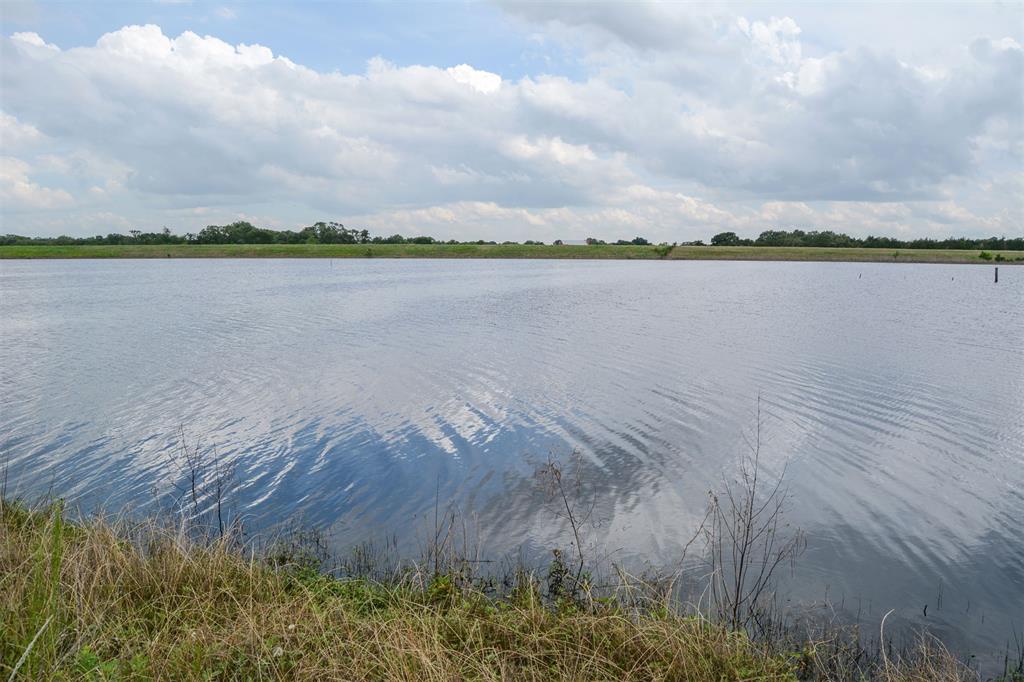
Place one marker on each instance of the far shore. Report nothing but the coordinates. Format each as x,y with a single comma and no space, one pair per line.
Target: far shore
569,251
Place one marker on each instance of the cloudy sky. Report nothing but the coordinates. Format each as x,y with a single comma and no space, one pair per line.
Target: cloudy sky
505,120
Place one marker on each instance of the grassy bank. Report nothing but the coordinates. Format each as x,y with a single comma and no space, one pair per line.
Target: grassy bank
140,601
94,603
506,251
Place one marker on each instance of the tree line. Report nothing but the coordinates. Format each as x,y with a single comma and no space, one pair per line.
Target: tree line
828,238
243,232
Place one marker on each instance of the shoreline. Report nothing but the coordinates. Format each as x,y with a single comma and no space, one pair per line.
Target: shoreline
123,598
513,251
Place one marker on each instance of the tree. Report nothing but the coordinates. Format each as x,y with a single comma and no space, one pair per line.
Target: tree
778,238
725,239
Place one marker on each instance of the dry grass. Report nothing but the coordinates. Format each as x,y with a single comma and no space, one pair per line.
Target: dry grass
117,602
122,601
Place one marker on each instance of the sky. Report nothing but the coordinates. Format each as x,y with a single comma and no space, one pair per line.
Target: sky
507,120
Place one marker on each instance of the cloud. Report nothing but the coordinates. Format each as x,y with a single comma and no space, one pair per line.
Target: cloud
682,123
481,81
18,192
15,134
640,25
734,103
34,39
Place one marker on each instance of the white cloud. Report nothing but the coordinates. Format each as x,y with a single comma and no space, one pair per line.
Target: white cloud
15,134
776,39
481,81
18,191
684,123
550,148
33,39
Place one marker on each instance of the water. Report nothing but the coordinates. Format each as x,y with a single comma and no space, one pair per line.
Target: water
359,393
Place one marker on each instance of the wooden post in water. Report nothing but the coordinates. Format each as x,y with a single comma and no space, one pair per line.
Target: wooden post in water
997,274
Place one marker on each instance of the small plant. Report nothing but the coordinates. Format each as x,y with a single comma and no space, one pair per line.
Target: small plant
564,489
205,483
985,255
747,542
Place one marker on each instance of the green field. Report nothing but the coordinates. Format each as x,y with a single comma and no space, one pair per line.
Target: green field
507,251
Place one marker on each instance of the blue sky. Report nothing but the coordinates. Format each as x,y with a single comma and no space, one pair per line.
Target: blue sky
326,36
513,120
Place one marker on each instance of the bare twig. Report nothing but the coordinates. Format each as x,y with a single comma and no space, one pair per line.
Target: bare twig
746,542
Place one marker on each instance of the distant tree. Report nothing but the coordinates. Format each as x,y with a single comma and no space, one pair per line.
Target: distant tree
725,239
558,242
776,238
243,232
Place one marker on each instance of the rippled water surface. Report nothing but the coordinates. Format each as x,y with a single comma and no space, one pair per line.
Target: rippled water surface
357,393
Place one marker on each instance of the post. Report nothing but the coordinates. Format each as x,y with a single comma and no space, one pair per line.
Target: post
997,274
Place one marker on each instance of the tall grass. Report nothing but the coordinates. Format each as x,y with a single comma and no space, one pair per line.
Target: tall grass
121,600
186,594
113,600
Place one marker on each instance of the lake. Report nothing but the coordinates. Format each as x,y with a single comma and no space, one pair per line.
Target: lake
358,395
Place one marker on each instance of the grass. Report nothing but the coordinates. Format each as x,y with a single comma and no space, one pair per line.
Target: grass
84,602
505,251
116,600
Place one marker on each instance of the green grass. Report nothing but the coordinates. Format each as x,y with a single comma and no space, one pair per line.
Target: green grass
505,251
103,600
